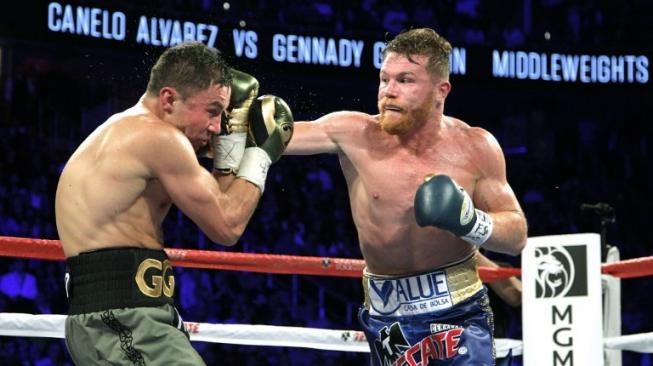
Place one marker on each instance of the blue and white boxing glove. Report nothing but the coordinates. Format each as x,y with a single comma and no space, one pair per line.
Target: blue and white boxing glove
442,203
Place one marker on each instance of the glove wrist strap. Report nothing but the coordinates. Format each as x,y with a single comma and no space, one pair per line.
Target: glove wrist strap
481,231
228,152
254,166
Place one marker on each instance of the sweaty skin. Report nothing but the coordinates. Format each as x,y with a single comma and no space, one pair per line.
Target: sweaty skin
383,170
119,184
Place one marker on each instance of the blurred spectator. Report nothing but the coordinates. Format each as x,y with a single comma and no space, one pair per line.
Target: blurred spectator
18,283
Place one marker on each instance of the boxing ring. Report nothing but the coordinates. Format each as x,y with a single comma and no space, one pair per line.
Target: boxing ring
49,325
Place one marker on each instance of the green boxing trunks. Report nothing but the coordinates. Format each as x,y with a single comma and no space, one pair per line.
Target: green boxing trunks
121,310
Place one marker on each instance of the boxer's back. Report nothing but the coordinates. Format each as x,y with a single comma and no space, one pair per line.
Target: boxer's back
106,196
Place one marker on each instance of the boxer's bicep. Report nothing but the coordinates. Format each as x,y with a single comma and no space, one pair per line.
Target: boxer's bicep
492,192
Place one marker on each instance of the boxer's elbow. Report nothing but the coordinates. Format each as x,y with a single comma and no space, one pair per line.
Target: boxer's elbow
521,236
512,235
223,238
226,234
235,228
518,248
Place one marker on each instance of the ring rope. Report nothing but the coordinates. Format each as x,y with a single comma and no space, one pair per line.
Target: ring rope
286,264
252,262
52,326
629,268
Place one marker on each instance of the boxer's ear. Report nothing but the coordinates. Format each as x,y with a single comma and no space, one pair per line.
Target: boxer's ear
167,98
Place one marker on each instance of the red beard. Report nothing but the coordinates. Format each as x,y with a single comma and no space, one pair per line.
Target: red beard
403,121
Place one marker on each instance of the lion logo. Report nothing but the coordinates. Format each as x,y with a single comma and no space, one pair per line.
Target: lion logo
555,272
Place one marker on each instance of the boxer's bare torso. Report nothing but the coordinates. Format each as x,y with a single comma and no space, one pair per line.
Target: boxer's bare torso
383,172
107,196
119,184
386,157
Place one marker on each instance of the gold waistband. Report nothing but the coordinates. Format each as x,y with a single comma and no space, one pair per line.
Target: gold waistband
462,279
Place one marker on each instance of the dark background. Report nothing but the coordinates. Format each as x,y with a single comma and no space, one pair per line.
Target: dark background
565,144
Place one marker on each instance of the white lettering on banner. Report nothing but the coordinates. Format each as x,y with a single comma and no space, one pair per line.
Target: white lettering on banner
316,50
94,22
378,54
457,59
245,43
168,32
102,23
570,68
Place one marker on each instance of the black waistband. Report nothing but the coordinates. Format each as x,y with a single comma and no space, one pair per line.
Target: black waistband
118,278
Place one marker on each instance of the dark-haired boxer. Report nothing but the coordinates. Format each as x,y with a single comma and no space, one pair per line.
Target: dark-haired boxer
118,185
424,302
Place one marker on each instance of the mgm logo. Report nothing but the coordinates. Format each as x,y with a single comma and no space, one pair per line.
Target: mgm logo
561,271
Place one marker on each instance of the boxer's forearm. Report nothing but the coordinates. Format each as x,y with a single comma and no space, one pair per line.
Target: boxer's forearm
509,233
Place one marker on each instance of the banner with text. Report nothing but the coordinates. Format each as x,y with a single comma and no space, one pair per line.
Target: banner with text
130,28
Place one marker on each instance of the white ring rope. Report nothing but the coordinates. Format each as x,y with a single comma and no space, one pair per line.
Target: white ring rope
52,326
641,342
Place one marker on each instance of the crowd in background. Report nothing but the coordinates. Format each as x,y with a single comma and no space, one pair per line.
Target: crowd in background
563,148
